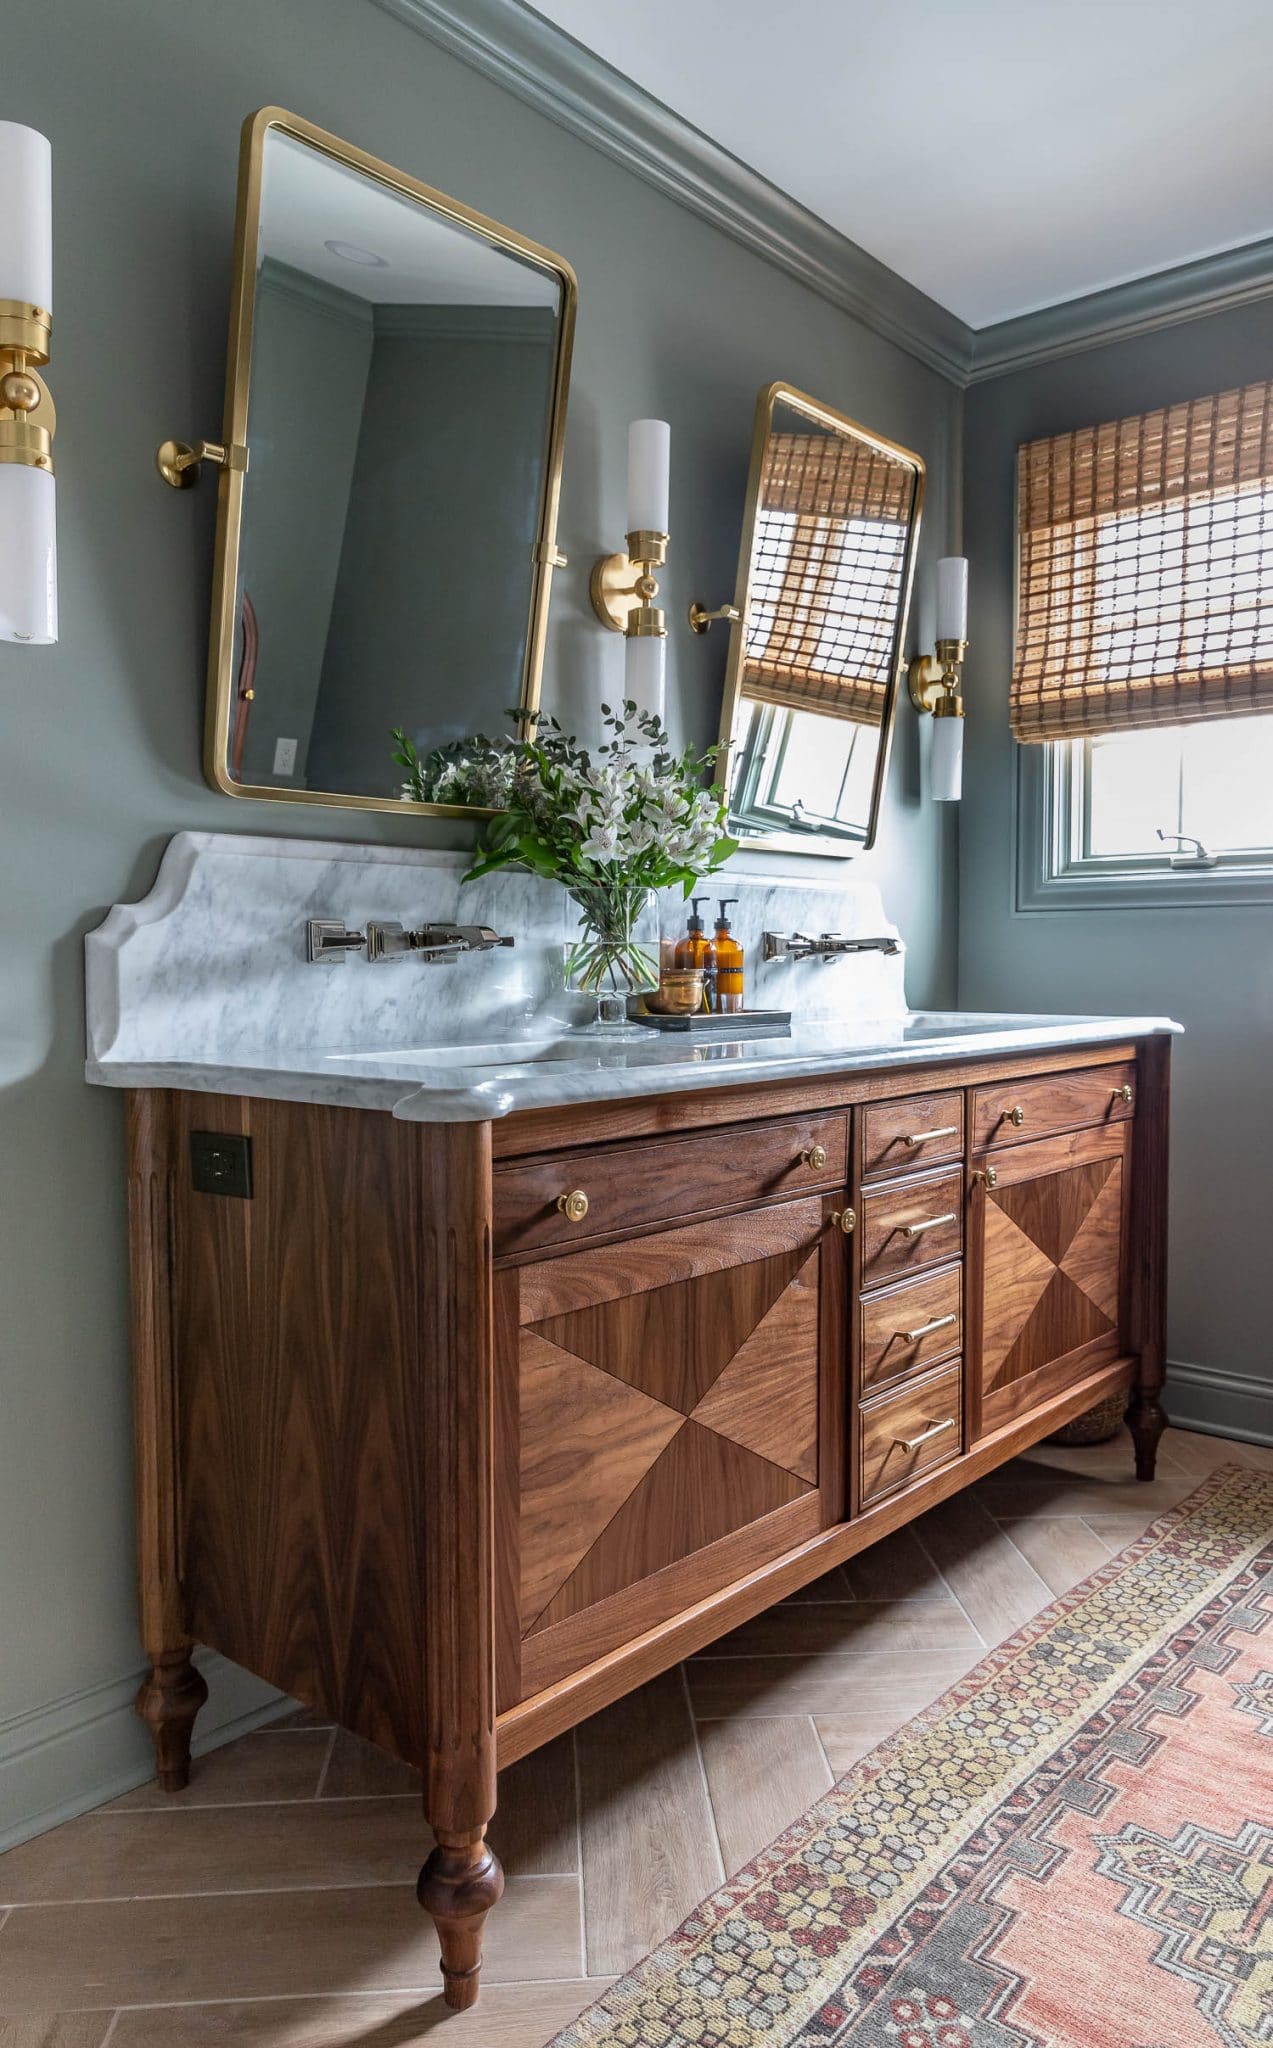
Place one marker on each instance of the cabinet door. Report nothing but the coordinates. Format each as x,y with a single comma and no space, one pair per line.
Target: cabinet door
1048,1258
668,1422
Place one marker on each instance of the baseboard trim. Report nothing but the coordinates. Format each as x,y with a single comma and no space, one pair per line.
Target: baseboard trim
1232,1404
76,1752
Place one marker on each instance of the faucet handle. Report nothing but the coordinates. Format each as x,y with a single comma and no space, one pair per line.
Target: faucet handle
327,941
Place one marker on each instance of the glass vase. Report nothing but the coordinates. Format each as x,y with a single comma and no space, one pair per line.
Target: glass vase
615,953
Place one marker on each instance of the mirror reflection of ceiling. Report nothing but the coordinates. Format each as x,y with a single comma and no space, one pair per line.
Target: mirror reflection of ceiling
329,222
1000,157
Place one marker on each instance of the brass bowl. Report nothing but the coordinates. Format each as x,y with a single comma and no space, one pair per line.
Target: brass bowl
679,993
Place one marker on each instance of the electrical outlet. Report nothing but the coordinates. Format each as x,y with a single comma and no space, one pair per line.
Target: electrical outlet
221,1163
284,757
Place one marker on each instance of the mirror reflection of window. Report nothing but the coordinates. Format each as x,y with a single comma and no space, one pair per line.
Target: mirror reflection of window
829,555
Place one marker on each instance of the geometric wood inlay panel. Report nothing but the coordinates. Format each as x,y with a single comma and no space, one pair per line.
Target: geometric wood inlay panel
586,1441
759,1400
672,1342
1051,1267
616,1480
703,1487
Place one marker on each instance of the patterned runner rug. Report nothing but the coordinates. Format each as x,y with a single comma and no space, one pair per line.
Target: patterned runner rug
1072,1849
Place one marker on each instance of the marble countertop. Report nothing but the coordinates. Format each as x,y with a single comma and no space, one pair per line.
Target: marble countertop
471,1081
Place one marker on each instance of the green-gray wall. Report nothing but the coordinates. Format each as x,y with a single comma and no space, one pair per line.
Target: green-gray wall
100,736
1210,968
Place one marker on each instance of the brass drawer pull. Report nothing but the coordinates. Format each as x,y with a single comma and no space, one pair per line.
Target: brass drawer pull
912,1443
1015,1115
922,1137
1123,1094
845,1220
574,1206
987,1175
929,1223
814,1156
926,1329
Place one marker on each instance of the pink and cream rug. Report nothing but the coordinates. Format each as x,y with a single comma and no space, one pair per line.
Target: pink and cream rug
1071,1849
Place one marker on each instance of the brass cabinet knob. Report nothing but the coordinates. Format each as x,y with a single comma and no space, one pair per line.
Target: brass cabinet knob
987,1175
845,1220
815,1156
574,1206
1123,1094
1016,1115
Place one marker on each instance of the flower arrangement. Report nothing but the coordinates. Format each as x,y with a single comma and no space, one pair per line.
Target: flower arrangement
611,830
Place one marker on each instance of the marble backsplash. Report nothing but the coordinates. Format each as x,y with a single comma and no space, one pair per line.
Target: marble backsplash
211,963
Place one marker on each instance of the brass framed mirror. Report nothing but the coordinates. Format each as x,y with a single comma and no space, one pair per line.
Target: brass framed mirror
386,531
825,569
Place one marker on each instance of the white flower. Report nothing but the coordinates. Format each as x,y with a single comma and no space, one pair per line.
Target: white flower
602,845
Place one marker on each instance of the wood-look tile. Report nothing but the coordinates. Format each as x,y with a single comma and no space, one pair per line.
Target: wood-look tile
851,1628
255,1767
358,1770
286,1846
277,1944
833,1585
520,2016
534,1832
1061,1548
55,2030
1117,1531
766,1686
761,1776
300,1717
1020,1489
1184,1450
988,1575
898,1568
649,1845
847,1738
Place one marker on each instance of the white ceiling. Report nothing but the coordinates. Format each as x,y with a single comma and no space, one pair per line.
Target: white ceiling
309,200
1000,154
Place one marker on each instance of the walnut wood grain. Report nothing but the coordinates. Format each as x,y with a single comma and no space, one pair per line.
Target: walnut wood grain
888,1351
766,1399
1146,1255
172,1694
629,1186
890,1129
559,1286
1062,1102
887,1252
557,1700
933,1401
540,1131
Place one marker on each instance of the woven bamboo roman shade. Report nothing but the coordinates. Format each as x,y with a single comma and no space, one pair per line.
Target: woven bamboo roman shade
1145,570
826,575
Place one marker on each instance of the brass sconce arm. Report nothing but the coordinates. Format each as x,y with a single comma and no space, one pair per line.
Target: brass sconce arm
623,587
701,619
179,463
28,419
934,679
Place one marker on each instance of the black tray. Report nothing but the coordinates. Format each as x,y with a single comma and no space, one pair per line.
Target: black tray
719,1023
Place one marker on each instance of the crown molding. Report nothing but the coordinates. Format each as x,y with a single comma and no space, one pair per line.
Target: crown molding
557,76
518,49
1188,291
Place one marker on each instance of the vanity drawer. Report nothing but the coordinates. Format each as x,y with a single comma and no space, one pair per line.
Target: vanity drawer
919,1131
917,1223
910,1326
911,1431
1013,1112
628,1186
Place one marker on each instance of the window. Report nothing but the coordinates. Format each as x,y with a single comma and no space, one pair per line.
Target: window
1142,685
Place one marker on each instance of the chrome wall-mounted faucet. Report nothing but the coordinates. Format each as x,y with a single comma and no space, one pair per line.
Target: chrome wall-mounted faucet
828,946
327,941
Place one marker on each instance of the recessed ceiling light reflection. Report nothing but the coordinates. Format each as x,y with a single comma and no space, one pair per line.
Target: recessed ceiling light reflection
350,252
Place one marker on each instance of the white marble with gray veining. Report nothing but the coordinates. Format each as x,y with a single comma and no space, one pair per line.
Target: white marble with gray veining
204,985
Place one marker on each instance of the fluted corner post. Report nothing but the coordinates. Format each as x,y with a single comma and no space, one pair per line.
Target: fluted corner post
1146,1416
461,1880
172,1694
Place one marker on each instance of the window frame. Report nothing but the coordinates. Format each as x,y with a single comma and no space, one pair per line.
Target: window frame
1050,876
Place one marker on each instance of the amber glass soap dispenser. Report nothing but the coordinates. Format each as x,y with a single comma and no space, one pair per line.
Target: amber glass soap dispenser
729,961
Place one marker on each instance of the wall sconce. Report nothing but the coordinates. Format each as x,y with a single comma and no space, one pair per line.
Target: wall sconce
623,587
28,533
935,681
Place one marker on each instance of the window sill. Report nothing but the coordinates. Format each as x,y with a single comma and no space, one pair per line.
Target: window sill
1125,889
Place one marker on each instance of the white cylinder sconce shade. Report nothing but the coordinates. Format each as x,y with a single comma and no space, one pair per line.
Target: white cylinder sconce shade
26,216
649,469
946,767
28,556
645,660
952,598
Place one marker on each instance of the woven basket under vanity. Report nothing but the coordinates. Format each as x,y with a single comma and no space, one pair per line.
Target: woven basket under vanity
1097,1426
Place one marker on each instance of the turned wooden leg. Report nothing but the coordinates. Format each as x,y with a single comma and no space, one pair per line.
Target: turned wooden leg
168,1702
1146,1419
458,1886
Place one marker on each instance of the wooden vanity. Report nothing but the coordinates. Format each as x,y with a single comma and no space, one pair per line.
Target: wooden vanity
459,1431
